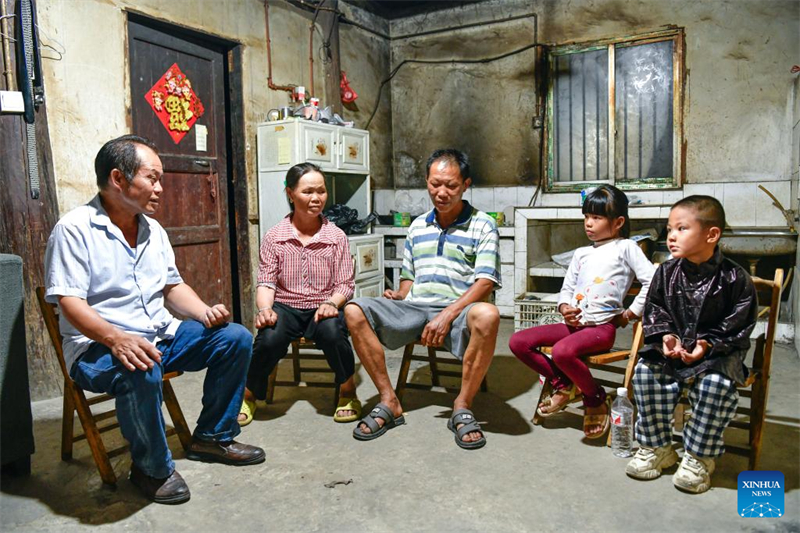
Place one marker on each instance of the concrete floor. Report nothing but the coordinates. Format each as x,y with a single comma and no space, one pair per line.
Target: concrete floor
412,479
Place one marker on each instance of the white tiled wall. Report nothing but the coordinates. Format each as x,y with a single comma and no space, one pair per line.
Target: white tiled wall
745,205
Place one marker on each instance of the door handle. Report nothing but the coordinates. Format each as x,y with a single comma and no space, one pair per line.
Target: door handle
212,183
202,163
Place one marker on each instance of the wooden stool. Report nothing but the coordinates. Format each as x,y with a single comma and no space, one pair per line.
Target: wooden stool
434,361
297,370
75,400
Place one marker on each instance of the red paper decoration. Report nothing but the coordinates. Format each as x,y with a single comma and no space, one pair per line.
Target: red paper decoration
174,102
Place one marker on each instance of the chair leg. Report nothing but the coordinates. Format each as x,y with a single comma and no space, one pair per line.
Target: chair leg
296,362
67,422
94,439
434,367
405,366
547,388
175,412
757,413
271,384
485,384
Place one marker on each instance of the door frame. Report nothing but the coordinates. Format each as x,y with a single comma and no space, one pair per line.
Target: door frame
243,296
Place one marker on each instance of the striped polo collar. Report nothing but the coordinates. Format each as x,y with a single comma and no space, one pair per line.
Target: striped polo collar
463,217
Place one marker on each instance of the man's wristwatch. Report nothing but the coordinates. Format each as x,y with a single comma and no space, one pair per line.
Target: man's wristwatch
268,308
331,303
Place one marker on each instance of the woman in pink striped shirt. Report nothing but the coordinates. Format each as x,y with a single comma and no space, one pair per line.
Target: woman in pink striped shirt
305,276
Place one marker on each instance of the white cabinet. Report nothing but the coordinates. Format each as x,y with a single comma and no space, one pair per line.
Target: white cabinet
343,155
367,252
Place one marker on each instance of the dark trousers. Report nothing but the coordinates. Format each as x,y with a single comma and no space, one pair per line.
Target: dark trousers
272,344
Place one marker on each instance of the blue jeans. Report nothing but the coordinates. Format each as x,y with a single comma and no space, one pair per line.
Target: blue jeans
224,350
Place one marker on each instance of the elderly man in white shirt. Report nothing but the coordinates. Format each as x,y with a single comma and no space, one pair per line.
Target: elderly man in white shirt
111,269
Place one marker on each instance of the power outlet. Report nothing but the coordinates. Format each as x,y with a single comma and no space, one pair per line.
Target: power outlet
11,102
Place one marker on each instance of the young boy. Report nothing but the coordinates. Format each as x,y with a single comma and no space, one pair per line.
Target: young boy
700,311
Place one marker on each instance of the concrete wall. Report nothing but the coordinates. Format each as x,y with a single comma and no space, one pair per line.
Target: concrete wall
738,111
365,59
484,109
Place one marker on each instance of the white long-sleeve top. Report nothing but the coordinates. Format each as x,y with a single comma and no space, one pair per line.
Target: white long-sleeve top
599,277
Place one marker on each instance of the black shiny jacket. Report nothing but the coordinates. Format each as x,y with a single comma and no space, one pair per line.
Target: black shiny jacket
715,301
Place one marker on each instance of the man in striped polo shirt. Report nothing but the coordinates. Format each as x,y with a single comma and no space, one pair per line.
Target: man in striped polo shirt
451,264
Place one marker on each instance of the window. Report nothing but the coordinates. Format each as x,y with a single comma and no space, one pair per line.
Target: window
632,87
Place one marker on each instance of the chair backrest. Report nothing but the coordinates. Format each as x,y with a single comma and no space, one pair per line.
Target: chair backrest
50,315
765,341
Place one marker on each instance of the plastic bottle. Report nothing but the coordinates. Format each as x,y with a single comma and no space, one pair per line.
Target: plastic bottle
622,424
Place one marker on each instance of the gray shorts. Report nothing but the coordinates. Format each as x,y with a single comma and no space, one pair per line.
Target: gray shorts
398,322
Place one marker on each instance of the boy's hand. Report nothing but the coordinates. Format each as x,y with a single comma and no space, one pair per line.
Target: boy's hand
700,349
671,346
571,314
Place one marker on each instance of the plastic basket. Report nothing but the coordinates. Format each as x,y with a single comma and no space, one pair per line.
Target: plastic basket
536,309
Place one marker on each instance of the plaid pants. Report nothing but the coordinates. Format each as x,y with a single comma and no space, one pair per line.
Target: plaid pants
713,398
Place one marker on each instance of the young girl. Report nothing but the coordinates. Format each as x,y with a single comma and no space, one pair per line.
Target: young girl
596,282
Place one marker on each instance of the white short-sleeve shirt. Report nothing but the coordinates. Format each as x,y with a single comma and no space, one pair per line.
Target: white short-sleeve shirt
87,256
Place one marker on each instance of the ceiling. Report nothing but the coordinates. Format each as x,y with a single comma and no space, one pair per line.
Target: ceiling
395,9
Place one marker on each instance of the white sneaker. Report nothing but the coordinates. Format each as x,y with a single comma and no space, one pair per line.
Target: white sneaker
649,462
694,473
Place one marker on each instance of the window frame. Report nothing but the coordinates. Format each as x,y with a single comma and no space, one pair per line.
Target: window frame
674,34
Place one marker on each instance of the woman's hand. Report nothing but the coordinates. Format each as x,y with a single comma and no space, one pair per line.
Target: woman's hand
326,310
266,317
571,314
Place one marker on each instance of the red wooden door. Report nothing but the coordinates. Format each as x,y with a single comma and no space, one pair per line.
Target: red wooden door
194,205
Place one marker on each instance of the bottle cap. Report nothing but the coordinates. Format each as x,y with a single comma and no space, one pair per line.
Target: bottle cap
622,391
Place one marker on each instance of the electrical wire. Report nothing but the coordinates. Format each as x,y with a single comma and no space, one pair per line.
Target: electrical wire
440,62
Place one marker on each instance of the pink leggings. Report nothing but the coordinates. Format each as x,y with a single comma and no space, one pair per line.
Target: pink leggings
569,345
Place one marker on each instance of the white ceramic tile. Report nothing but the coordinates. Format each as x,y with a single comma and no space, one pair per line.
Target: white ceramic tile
508,213
561,199
766,213
646,197
420,200
740,204
467,195
383,201
670,197
483,198
639,213
520,280
570,213
699,188
506,311
507,251
524,195
520,259
504,197
664,214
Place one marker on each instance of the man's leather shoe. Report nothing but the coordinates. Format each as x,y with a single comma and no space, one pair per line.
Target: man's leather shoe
230,452
170,490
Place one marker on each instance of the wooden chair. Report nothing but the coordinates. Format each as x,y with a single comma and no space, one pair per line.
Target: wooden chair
298,370
75,400
605,362
434,360
756,388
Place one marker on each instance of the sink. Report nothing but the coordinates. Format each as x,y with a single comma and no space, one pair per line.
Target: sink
758,242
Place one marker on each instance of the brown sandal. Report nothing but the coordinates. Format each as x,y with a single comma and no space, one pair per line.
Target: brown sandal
603,420
573,393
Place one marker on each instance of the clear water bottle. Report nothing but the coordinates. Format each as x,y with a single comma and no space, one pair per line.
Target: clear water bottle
622,424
